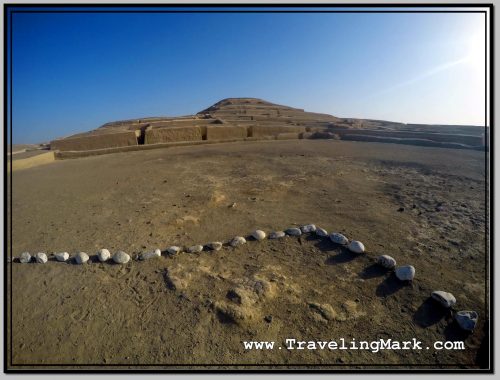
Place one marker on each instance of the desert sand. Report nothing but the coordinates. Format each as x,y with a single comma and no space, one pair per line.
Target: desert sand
424,206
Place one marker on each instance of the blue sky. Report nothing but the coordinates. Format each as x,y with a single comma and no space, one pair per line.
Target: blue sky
75,72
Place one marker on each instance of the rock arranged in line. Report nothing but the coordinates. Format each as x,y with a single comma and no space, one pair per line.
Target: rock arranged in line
466,319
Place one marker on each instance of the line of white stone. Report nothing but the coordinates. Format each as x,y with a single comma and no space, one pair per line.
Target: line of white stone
466,319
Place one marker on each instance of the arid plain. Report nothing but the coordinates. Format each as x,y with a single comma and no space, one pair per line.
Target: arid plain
424,206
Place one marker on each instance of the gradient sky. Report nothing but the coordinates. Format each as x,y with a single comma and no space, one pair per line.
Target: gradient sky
75,72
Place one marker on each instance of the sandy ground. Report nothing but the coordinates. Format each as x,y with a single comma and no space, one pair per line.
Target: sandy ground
198,308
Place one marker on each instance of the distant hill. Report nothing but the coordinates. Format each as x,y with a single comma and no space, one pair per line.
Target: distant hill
253,118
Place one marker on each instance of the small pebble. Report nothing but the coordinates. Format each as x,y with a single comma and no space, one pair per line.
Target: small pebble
25,258
466,319
103,255
215,245
150,255
308,228
405,273
173,250
338,238
356,246
62,256
386,261
259,235
321,232
121,257
195,249
293,231
277,235
238,240
81,258
444,298
41,258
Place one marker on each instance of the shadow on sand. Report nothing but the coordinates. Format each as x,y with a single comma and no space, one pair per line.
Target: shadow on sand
373,271
390,285
430,313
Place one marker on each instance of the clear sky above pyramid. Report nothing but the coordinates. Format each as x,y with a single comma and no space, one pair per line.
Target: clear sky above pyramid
74,72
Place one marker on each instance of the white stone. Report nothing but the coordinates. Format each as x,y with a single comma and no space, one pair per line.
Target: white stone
151,255
173,250
444,298
62,256
41,258
81,258
259,235
405,273
277,235
338,238
215,245
121,257
238,240
293,231
356,247
321,232
308,228
467,319
195,249
103,255
386,261
25,258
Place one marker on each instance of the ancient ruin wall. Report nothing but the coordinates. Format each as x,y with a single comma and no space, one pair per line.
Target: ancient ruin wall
259,131
165,135
226,133
92,142
438,137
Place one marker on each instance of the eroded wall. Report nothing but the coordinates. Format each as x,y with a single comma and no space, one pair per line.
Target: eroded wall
93,142
226,132
173,134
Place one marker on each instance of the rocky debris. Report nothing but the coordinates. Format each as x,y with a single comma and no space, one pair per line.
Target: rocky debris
242,296
356,246
25,258
466,319
215,245
321,232
238,240
62,256
81,258
263,288
338,238
308,228
386,261
195,249
41,258
173,250
259,235
293,231
325,310
150,255
405,273
444,298
233,313
103,255
121,257
277,235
